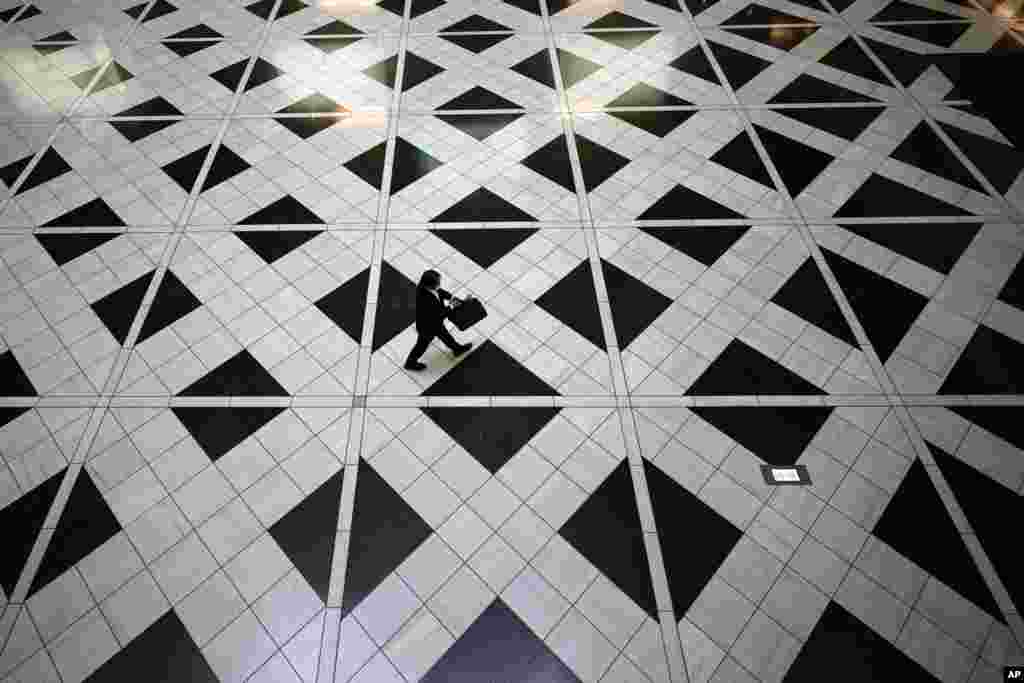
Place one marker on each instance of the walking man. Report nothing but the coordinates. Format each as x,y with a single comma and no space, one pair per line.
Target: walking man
431,310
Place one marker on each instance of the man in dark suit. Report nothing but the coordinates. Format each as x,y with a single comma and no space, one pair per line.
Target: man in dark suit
431,310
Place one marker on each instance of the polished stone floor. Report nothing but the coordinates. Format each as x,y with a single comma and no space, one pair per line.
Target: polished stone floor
711,237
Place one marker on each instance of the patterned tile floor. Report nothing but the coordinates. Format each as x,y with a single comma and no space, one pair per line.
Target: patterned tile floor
712,237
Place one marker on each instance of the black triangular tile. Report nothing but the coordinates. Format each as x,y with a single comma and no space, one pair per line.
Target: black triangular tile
156,106
616,19
289,7
705,244
880,196
226,165
50,165
988,505
906,66
627,40
573,301
230,76
417,70
199,31
634,304
482,246
991,363
739,67
489,371
798,164
1013,289
777,435
136,11
308,531
396,7
313,104
885,326
926,151
185,171
46,49
379,512
482,205
807,89
479,98
345,305
66,247
659,123
240,375
740,156
396,305
9,414
96,213
262,72
552,161
384,72
10,173
184,48
336,28
8,14
695,63
806,295
420,7
530,6
905,11
744,371
688,567
115,74
597,162
173,301
606,530
117,310
574,68
844,122
842,642
682,202
218,430
15,382
331,45
479,126
133,131
262,8
410,164
499,646
30,11
307,127
160,8
760,15
936,245
1000,163
166,641
643,95
370,164
538,68
941,552
491,435
848,56
285,211
780,39
1002,421
478,42
942,35
475,23
23,519
85,524
271,245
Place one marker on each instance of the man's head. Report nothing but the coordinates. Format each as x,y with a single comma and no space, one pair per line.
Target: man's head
431,279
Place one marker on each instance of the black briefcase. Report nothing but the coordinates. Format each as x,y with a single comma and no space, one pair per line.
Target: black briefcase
467,313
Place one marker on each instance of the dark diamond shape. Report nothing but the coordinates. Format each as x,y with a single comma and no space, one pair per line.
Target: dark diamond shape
156,106
230,76
482,205
218,430
262,8
807,89
226,165
478,42
705,244
848,56
479,126
66,247
991,363
573,301
370,164
695,63
289,7
307,533
634,304
1000,163
475,23
574,68
133,131
117,310
51,165
941,552
114,75
936,245
345,305
777,435
482,246
185,48
136,11
842,642
988,505
331,45
23,519
759,15
740,156
799,164
489,371
1013,290
618,20
285,211
417,70
384,72
627,40
173,301
906,66
499,646
785,38
199,31
682,202
844,122
597,162
185,171
262,72
688,568
943,35
240,375
530,6
411,164
15,382
96,213
643,95
491,435
744,371
552,162
880,196
271,245
659,123
396,305
85,524
904,11
8,14
335,28
536,67
739,67
925,150
479,98
10,173
166,641
606,530
30,11
885,325
160,8
806,295
379,512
